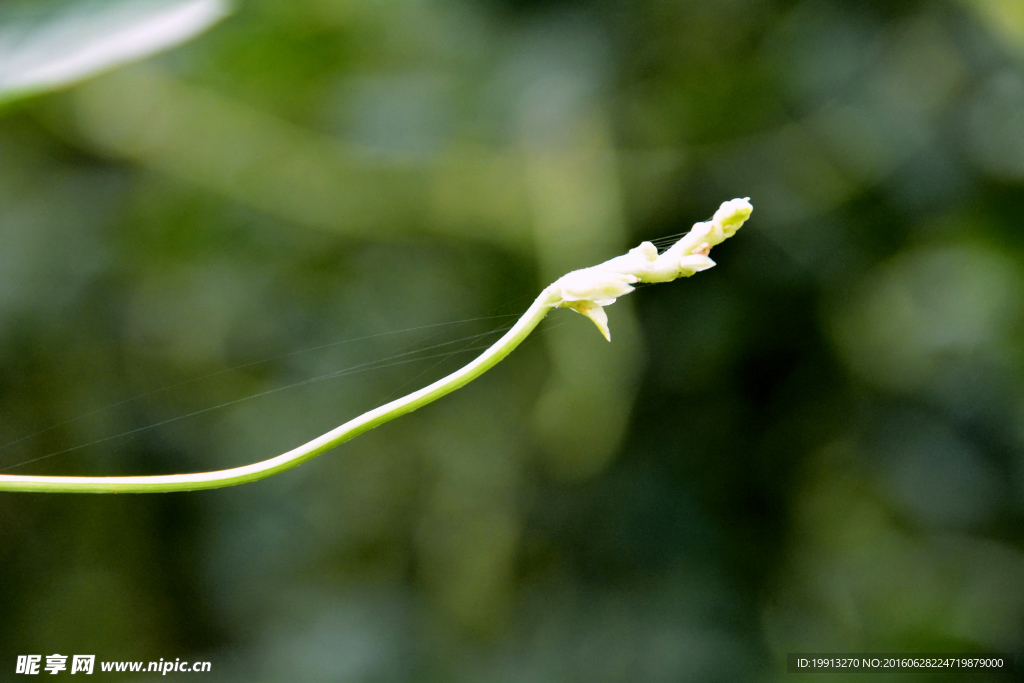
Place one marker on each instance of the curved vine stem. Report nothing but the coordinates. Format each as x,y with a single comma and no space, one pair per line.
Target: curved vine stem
586,291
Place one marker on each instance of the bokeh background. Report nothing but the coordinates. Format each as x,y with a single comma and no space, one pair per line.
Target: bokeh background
815,446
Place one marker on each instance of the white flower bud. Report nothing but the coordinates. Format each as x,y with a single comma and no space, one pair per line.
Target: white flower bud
586,291
591,284
732,214
694,263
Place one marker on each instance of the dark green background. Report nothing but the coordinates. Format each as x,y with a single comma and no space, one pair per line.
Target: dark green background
815,446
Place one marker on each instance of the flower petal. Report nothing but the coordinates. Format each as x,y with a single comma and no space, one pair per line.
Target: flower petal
694,263
595,284
595,313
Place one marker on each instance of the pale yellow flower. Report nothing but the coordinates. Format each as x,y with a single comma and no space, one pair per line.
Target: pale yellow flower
588,290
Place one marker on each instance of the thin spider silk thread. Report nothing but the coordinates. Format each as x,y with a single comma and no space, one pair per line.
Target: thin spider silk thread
368,366
178,385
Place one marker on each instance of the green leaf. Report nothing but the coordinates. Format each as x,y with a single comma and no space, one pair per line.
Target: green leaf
48,45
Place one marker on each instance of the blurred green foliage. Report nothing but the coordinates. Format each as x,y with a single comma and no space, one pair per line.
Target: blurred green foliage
816,446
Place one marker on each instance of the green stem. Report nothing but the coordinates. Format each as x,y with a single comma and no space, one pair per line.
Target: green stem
548,299
586,291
